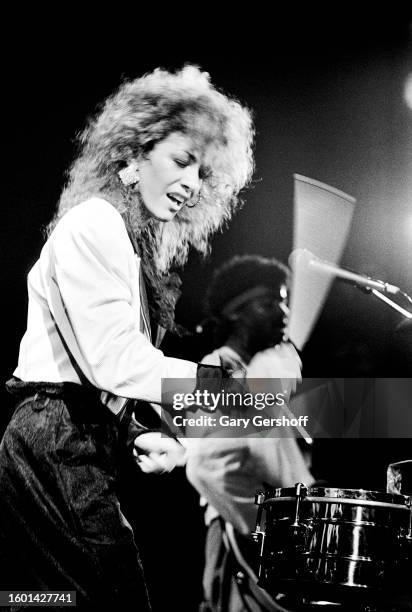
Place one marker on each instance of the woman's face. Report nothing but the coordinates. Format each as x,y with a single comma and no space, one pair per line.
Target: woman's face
170,176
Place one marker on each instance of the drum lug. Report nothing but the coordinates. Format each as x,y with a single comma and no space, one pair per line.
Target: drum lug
259,535
300,492
259,501
259,538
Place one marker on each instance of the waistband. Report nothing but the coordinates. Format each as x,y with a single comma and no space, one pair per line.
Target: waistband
83,402
22,389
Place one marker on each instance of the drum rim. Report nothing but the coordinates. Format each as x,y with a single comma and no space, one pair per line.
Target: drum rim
338,493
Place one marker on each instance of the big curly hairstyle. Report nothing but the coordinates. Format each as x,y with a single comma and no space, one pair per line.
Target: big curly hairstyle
129,123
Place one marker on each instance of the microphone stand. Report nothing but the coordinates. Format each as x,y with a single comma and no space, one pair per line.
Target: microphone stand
393,304
388,301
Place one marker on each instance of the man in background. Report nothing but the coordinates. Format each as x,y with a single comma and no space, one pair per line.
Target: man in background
248,312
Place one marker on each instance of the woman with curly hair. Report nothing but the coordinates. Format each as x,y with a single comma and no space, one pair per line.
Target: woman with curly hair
159,170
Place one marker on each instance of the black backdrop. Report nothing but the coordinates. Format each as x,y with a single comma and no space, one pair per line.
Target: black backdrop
328,100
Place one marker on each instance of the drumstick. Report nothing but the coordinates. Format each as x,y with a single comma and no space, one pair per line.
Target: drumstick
305,435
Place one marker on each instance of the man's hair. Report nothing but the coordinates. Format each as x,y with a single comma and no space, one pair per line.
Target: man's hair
240,274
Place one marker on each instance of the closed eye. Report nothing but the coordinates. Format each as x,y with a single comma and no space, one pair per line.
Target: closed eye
182,163
204,171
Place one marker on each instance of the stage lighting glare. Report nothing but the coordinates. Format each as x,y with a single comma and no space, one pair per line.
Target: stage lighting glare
408,90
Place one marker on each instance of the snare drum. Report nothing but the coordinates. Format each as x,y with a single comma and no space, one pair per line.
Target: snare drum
334,544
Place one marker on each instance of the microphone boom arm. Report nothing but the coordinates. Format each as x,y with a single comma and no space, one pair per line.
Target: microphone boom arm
348,275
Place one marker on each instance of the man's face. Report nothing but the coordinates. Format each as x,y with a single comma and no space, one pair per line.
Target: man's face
266,317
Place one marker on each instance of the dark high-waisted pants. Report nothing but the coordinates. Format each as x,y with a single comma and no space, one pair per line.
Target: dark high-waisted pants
61,527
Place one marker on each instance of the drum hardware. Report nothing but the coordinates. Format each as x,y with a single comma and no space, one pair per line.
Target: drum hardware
346,547
300,493
299,530
258,535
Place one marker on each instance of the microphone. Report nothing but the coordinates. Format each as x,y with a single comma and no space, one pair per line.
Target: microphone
306,260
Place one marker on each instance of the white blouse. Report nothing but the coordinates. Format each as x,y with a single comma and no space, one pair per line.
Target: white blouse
84,315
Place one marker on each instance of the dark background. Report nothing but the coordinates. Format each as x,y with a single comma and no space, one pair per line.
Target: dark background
328,98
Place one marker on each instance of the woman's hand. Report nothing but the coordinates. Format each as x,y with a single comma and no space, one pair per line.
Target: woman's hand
157,454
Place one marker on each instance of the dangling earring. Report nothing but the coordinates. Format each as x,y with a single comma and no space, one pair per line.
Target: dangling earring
197,201
129,175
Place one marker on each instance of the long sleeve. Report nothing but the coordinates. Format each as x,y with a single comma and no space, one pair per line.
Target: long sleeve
93,297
